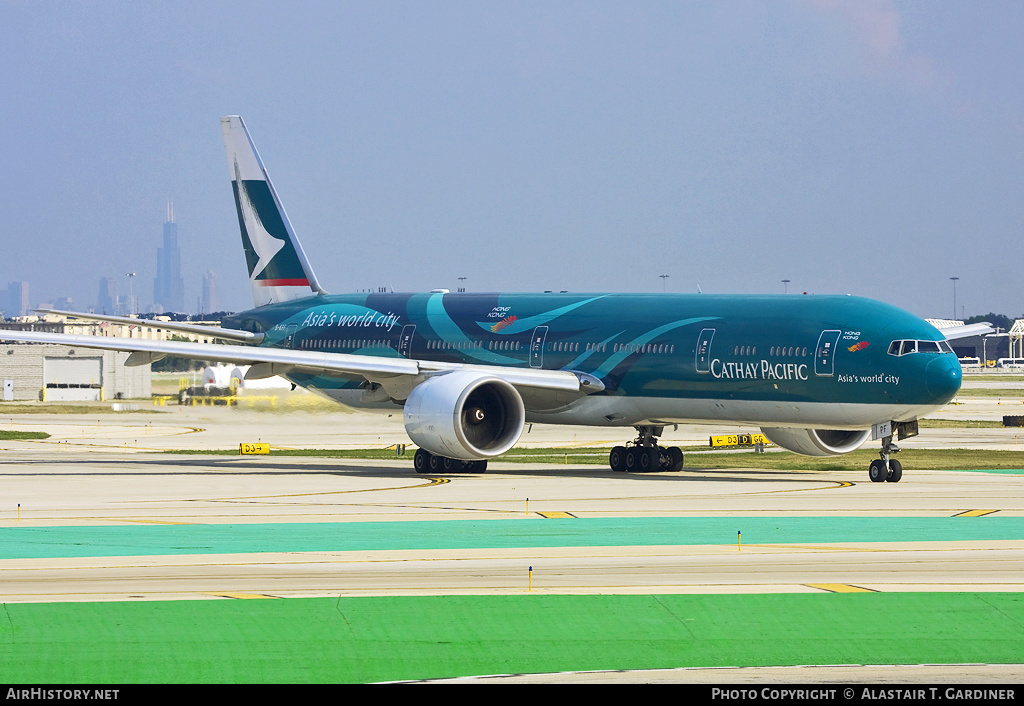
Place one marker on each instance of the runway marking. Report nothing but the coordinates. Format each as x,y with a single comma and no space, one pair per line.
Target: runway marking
975,513
132,519
556,515
169,431
431,482
840,588
838,484
228,594
824,548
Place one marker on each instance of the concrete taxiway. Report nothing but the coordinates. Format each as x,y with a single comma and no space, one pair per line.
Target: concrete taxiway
129,492
112,472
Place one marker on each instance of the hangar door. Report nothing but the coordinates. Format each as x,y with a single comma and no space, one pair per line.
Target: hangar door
72,379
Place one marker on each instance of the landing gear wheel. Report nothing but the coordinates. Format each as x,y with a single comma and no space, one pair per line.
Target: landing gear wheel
477,467
434,463
617,459
895,471
878,471
421,461
631,460
886,468
641,460
675,455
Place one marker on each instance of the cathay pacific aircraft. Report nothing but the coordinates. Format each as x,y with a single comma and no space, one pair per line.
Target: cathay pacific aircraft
818,374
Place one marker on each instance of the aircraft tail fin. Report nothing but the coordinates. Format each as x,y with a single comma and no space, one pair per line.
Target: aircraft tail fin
278,269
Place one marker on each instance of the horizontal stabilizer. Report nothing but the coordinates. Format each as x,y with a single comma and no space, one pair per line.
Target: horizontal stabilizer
227,334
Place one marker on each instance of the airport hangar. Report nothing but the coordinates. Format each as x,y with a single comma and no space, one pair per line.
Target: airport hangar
56,373
60,373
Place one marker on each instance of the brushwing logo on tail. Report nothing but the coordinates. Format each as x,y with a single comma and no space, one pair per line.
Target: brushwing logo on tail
269,253
263,243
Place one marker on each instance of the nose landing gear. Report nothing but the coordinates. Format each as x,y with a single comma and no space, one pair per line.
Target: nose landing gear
885,468
644,455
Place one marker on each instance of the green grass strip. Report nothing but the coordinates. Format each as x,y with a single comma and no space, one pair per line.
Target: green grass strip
10,408
960,424
156,540
1003,392
7,435
349,640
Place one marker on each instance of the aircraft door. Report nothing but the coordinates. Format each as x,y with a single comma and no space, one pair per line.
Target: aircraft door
823,356
405,340
537,340
703,361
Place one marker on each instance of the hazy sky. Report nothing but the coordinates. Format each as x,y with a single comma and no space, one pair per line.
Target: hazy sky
871,147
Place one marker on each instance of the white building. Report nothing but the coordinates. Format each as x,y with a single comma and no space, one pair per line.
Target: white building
51,373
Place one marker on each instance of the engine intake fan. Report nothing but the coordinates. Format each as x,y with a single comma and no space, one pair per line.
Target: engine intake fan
469,416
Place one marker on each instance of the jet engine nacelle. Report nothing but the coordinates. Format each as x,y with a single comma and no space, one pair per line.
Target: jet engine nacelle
464,415
817,442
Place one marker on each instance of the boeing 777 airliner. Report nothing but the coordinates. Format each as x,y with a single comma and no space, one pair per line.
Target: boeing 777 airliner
818,374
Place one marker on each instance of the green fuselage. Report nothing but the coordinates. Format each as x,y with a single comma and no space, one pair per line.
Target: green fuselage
776,360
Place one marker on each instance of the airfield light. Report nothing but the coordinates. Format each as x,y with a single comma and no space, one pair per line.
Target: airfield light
954,296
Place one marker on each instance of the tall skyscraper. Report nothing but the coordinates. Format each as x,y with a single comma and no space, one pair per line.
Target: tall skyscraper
210,302
168,287
106,302
17,299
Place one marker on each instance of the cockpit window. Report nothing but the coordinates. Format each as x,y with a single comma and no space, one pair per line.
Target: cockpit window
907,347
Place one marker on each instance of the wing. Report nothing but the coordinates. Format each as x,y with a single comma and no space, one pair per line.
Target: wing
966,331
398,376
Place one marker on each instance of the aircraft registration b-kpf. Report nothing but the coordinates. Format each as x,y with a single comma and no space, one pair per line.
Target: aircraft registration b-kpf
818,374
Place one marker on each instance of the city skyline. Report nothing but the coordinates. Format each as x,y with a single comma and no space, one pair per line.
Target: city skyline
169,291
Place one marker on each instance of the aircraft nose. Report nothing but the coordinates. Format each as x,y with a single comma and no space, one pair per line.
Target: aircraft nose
942,376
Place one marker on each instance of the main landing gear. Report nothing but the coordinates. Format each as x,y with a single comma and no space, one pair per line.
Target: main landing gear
426,462
643,455
884,468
